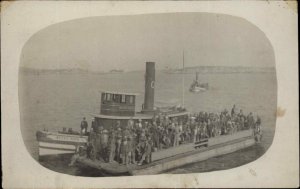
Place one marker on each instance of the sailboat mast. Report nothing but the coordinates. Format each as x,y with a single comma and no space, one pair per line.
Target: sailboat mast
183,79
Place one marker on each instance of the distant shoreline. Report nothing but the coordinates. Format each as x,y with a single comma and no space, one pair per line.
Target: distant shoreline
188,70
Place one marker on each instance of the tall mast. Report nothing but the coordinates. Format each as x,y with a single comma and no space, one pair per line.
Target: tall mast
183,79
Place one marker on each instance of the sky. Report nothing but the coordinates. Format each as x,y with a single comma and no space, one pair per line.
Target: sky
127,42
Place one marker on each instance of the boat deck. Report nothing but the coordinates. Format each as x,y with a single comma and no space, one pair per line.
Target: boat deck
139,115
167,159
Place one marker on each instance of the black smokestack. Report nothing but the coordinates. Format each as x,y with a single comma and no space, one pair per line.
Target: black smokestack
149,87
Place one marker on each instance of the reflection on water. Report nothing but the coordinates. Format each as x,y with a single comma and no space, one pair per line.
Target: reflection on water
54,101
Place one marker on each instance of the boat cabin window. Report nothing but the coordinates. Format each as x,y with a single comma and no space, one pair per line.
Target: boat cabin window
129,99
116,98
107,97
123,100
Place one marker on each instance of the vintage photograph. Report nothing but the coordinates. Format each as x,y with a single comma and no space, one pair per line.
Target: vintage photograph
147,94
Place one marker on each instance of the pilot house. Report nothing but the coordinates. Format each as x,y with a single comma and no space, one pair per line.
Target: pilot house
118,104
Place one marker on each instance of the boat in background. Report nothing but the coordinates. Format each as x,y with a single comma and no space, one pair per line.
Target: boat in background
196,86
116,71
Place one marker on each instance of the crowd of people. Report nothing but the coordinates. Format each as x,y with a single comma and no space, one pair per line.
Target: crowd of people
134,142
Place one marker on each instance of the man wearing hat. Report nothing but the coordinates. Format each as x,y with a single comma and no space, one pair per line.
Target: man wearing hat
118,124
147,153
98,148
112,145
124,146
130,123
93,125
129,149
132,147
177,133
123,150
118,143
140,123
141,146
93,144
104,144
233,111
83,126
155,135
250,120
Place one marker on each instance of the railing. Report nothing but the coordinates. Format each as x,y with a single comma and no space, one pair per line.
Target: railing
201,143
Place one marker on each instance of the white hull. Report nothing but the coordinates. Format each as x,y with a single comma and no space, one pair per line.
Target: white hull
51,143
46,148
198,89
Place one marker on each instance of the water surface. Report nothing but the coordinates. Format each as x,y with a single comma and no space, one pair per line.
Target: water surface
54,101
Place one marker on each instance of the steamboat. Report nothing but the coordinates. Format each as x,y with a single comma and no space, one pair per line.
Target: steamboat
196,86
115,106
118,108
